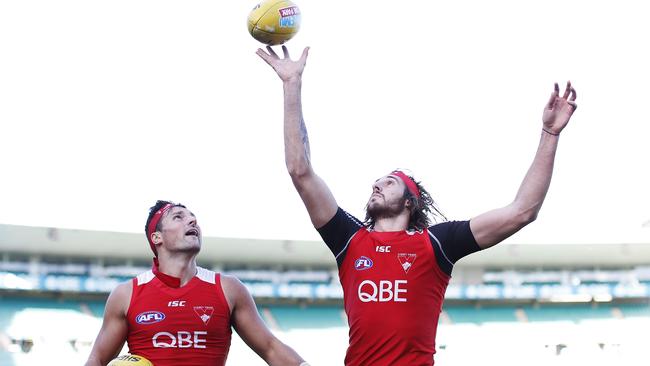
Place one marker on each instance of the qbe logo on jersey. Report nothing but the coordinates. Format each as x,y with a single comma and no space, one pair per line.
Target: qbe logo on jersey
382,291
362,263
149,317
180,339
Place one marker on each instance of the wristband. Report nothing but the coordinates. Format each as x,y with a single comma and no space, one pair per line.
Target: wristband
550,133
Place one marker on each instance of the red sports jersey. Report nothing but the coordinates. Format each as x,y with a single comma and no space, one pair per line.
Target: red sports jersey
393,286
179,326
393,291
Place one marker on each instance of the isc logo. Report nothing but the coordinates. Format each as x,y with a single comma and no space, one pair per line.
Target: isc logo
382,248
149,317
182,339
385,291
176,303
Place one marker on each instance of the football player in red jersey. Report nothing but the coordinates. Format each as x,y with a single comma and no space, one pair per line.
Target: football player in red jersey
178,313
395,266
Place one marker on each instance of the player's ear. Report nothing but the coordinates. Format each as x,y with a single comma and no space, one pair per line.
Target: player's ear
408,204
156,238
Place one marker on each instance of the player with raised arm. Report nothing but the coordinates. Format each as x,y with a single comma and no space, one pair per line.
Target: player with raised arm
395,266
180,314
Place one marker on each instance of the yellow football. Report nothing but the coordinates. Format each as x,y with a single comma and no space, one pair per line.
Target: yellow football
274,21
130,360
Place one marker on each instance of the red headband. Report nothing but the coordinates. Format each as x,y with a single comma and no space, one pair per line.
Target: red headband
154,222
410,184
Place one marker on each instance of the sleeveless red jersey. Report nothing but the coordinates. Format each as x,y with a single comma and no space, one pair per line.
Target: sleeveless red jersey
393,286
393,293
179,326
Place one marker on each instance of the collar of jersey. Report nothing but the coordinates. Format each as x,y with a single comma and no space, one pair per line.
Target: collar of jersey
168,280
371,229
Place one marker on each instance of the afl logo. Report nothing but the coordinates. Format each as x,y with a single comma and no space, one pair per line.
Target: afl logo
362,263
149,317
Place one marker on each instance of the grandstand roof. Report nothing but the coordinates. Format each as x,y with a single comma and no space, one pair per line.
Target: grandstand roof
86,243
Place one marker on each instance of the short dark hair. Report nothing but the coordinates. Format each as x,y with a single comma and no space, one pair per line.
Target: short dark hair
422,210
152,211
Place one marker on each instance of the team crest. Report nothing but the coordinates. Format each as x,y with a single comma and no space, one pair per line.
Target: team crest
204,312
406,260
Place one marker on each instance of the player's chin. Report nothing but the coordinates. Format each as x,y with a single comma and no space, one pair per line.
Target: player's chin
375,204
374,201
193,241
194,248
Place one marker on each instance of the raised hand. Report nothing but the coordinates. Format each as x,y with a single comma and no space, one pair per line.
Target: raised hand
558,110
285,68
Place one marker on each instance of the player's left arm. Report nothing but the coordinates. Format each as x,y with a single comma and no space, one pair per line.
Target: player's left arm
494,226
250,327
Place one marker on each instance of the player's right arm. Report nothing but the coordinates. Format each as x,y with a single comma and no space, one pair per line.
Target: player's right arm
315,194
112,334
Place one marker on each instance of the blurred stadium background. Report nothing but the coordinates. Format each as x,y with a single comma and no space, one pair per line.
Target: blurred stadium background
513,304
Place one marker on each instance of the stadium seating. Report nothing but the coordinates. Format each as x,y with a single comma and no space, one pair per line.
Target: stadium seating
471,314
310,317
635,310
9,307
96,308
573,313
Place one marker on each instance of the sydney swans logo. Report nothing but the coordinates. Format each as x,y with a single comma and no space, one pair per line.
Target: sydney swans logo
406,260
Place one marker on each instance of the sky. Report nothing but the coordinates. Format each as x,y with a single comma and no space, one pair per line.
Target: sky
106,107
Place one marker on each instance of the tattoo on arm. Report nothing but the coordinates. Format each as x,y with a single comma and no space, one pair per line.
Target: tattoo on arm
305,138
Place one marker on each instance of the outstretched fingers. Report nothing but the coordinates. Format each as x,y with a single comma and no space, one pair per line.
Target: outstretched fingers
284,67
553,98
570,96
573,95
270,56
567,90
263,55
572,99
285,52
271,52
304,55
